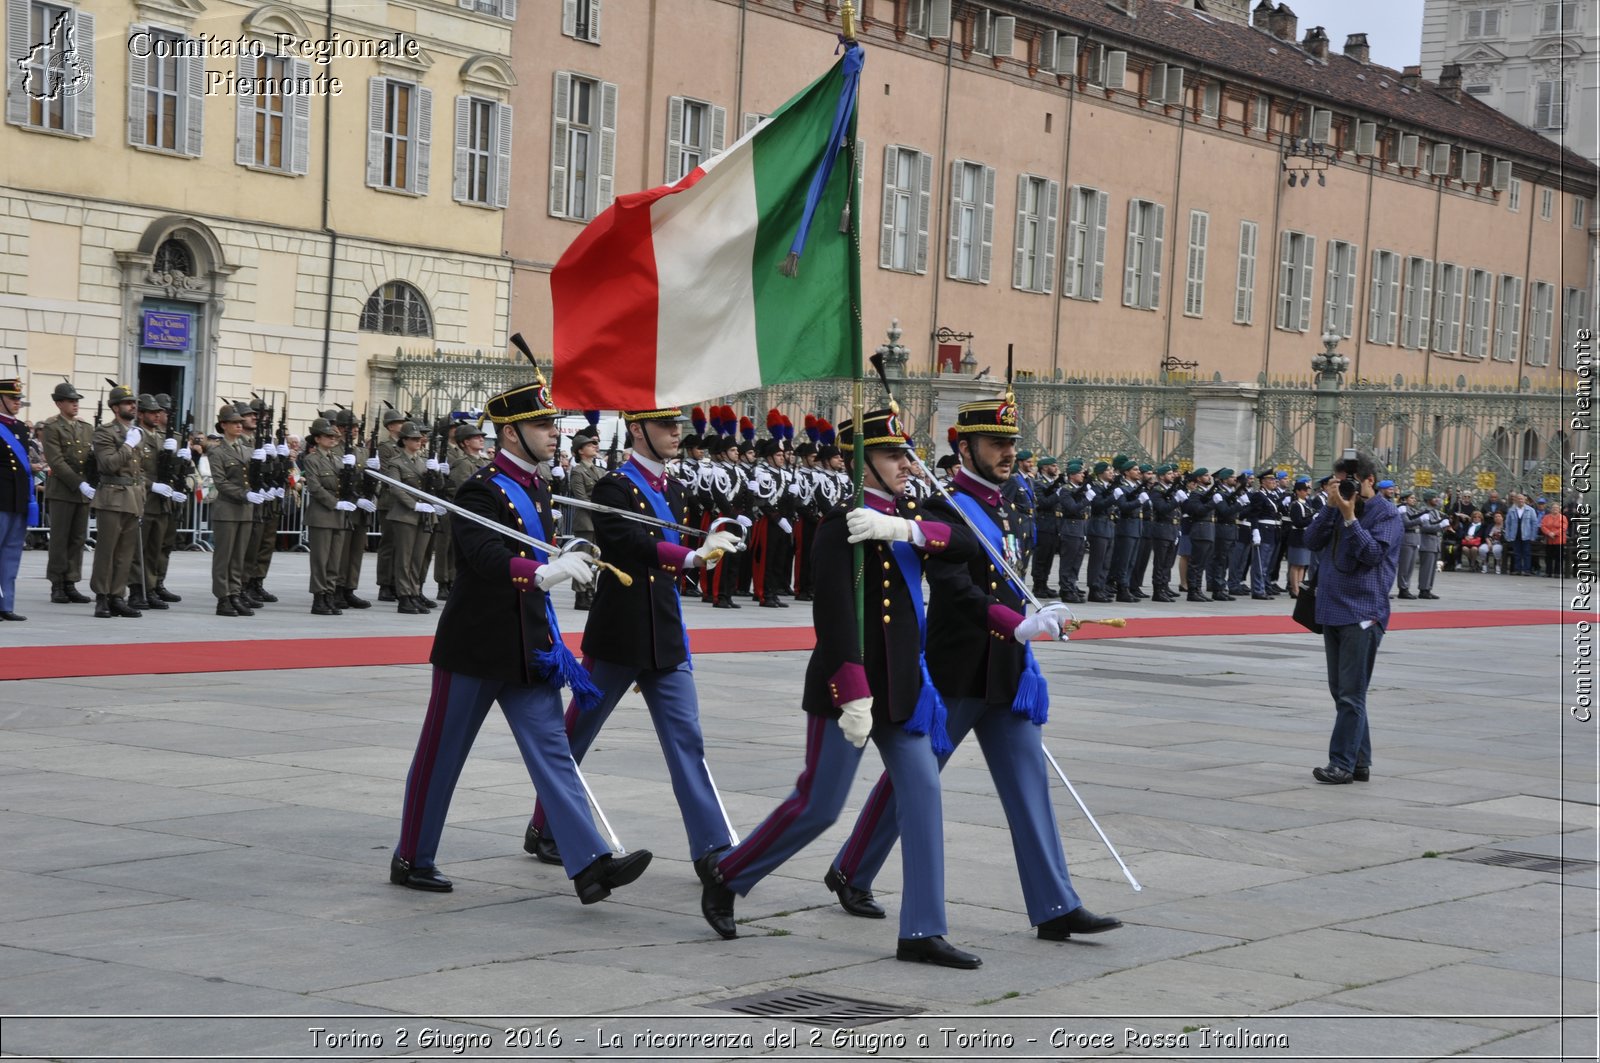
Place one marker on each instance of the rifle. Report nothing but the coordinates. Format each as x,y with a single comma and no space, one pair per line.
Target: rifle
616,445
369,486
91,467
281,468
347,469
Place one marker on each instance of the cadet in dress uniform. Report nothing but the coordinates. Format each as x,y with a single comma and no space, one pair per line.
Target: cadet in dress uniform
118,503
498,641
886,695
1141,553
147,569
19,505
327,515
1072,503
1102,531
1201,512
1047,527
388,449
997,691
1166,514
68,448
355,544
1296,518
410,523
232,514
635,634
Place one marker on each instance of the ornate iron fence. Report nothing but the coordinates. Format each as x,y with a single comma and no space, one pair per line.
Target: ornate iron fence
433,382
1148,419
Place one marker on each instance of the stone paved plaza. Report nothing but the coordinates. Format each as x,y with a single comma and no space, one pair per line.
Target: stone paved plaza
196,865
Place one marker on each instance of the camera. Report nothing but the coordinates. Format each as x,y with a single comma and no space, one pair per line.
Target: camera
1347,488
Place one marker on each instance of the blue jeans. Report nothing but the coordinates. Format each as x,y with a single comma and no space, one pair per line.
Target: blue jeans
1522,555
1352,651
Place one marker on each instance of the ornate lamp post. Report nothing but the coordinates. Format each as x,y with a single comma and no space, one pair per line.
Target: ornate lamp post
1330,366
894,352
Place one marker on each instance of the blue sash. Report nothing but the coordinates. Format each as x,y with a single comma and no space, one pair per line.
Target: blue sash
663,511
10,439
557,664
1033,695
928,717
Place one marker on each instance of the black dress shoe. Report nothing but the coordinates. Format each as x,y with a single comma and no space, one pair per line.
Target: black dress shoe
350,601
166,595
425,601
1099,596
1429,595
261,593
1222,597
1124,596
74,596
855,901
802,597
1333,774
937,951
1078,921
716,904
1406,596
1139,594
1073,597
541,846
1261,597
1193,597
1163,597
773,603
1362,773
151,600
595,882
6,614
401,873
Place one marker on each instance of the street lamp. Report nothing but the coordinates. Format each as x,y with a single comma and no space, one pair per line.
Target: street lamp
1330,366
894,353
1328,361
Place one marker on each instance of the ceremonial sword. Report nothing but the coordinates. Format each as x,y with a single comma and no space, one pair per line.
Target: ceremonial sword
488,522
644,518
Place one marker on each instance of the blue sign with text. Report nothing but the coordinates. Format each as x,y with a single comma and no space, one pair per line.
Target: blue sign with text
165,330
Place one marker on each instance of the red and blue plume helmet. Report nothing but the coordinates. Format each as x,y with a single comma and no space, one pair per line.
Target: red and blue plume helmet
747,429
697,417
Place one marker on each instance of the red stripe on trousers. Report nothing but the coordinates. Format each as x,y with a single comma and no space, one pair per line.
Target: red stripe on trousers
422,766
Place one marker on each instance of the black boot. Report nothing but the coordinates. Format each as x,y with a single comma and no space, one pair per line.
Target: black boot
73,596
148,599
320,606
136,596
444,588
225,607
166,595
386,594
242,604
119,607
102,607
350,601
58,594
409,606
261,593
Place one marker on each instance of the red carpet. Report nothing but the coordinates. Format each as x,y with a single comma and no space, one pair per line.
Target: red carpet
166,658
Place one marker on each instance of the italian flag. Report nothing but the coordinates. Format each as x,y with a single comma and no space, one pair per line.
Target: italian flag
677,293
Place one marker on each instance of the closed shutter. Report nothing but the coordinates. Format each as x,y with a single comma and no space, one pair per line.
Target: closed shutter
244,118
558,144
1502,175
891,156
377,89
1347,291
1019,277
138,78
300,125
194,104
424,141
1308,257
459,171
988,224
606,170
1130,259
1391,331
502,154
1004,37
1194,296
953,249
924,210
1440,164
719,127
1158,239
1174,85
1375,300
1516,318
1441,309
1052,208
1067,56
1047,52
751,120
17,47
1409,146
1102,211
1425,304
569,17
1288,312
508,10
1321,125
1244,296
1077,241
83,102
1472,168
1366,138
1158,83
939,19
674,138
1457,279
594,21
1116,69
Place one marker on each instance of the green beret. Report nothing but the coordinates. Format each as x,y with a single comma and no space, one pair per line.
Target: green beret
1024,455
1045,459
1162,470
1074,466
1224,473
1429,496
1201,471
1146,468
1120,462
1100,467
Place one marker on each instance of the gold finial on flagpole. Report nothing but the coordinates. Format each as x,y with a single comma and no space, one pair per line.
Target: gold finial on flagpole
847,20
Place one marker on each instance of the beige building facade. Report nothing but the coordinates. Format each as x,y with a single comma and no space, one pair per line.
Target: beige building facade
215,199
1104,186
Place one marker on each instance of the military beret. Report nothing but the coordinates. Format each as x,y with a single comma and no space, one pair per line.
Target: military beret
1302,482
1201,471
1045,459
1100,467
1024,455
1120,461
1429,496
1146,467
1223,473
1074,466
1324,481
1385,484
1162,470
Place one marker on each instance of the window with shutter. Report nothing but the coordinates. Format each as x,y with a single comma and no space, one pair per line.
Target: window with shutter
1339,289
982,27
1116,69
1579,211
939,19
605,168
50,66
1004,44
1244,293
1141,278
1194,294
580,19
1157,90
967,220
1514,195
1263,113
1032,260
273,126
1475,330
1383,299
987,250
1321,125
1500,175
422,112
1508,318
695,132
751,120
582,146
1472,168
478,172
1066,56
1174,85
1366,138
1046,61
924,211
1447,309
1417,300
1541,309
1212,105
902,210
1409,149
164,99
916,17
1547,203
1296,258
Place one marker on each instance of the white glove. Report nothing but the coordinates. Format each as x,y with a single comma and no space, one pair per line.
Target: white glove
373,463
349,460
783,522
794,489
283,450
1144,496
1255,537
422,507
345,507
85,489
555,514
557,472
258,454
575,567
1116,492
717,540
433,464
170,444
279,492
366,505
255,498
744,521
1048,621
134,437
1088,494
1216,499
184,455
870,524
856,721
164,490
1181,496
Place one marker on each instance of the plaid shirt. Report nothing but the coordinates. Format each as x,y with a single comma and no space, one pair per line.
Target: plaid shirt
1357,563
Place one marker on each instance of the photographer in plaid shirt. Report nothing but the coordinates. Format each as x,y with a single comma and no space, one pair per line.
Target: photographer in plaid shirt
1357,539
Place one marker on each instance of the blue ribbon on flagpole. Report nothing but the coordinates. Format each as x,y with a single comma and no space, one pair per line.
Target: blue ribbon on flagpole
854,57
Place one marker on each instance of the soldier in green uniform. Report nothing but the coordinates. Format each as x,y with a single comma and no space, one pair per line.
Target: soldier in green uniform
585,473
327,515
355,544
444,563
68,444
264,532
157,515
466,458
388,449
232,514
182,465
410,523
118,504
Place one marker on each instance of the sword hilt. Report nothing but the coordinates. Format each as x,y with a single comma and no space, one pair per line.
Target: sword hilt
1113,622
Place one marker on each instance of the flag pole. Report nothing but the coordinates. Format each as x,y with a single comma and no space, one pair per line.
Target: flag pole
849,223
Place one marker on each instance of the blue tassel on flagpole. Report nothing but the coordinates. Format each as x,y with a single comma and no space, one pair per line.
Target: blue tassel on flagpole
854,56
1033,693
